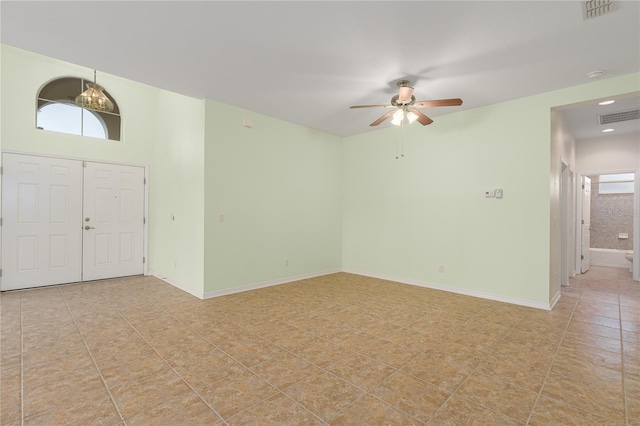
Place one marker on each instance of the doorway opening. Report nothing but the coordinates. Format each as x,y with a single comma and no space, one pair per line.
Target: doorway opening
609,216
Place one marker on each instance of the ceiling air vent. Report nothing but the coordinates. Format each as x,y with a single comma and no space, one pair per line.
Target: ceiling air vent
595,8
617,117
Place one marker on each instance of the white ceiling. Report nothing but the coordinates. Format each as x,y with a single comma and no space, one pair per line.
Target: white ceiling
306,62
583,120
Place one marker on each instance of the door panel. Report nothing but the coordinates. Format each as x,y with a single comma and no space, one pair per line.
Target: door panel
113,227
27,253
41,211
58,252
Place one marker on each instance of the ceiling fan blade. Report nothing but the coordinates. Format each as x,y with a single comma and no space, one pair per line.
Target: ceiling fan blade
381,119
371,106
404,97
438,103
422,119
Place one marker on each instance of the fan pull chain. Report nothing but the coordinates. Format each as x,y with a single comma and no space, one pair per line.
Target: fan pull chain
400,143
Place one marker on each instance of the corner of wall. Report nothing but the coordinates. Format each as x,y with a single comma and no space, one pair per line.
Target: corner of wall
554,300
187,289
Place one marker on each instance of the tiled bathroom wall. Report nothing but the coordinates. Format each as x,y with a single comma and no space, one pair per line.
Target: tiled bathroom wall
611,214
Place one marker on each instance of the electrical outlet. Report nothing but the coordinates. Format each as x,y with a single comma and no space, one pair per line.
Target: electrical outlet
441,268
286,262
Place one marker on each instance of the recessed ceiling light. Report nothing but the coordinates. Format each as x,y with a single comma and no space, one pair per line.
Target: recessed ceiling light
608,130
609,102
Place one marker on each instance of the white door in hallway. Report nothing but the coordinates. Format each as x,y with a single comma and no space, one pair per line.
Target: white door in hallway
113,221
41,217
586,223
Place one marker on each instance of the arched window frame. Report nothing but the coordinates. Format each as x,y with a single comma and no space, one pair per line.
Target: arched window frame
63,90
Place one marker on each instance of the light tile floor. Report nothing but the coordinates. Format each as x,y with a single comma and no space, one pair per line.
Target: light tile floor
340,349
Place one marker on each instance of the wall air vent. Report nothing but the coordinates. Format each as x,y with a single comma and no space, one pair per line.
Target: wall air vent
594,8
617,117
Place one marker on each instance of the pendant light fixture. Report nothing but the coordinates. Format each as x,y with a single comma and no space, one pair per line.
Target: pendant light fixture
94,97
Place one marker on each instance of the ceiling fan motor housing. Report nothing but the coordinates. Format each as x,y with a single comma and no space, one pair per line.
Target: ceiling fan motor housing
395,101
405,93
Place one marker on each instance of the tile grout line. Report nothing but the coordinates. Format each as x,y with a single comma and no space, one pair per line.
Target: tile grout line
622,355
624,382
432,384
455,328
396,370
286,396
553,359
242,364
435,413
366,392
162,358
290,352
352,352
95,364
227,354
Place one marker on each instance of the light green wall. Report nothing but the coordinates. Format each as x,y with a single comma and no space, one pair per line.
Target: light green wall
278,186
404,218
177,192
23,73
325,203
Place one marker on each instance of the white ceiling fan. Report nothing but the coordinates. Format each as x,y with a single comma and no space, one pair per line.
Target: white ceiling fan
404,105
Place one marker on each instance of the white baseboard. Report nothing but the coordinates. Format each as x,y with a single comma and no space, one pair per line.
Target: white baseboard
554,300
227,291
199,295
466,292
610,265
270,283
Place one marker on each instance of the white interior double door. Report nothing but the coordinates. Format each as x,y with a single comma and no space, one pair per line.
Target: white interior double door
67,221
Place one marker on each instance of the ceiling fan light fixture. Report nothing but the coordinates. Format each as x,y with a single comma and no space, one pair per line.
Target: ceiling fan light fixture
94,97
411,117
398,116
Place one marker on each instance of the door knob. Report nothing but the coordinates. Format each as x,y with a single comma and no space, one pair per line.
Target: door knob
89,227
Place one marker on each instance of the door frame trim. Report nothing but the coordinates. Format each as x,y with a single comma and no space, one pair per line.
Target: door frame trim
567,236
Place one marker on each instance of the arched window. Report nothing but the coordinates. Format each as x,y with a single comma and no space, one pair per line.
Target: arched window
58,112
